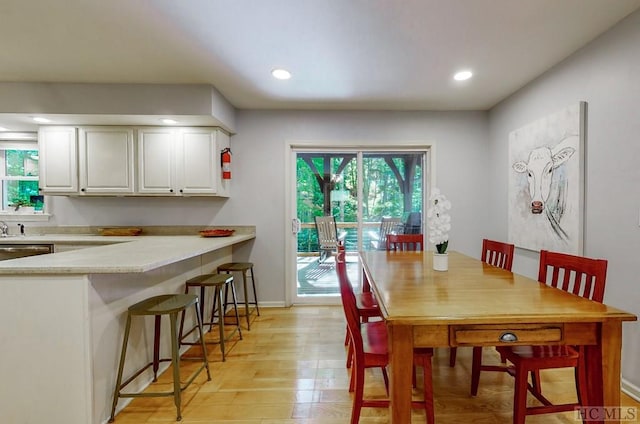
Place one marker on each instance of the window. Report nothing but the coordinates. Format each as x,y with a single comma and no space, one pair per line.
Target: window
19,174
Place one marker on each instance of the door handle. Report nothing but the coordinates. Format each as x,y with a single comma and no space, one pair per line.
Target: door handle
295,226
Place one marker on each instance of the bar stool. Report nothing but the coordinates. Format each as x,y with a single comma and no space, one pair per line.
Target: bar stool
217,282
169,304
246,268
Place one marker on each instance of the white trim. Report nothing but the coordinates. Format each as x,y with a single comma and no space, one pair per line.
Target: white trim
18,137
630,389
291,150
24,217
360,195
289,215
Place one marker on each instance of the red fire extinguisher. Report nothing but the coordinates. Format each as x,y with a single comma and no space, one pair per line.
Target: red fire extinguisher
226,164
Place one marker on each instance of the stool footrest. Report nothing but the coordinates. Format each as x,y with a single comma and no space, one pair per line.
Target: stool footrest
140,371
171,393
211,342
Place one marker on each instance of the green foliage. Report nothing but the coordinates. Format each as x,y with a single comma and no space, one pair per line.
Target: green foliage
382,192
442,247
20,163
20,192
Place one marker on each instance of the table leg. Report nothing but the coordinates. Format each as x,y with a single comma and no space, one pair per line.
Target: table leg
401,361
366,287
603,370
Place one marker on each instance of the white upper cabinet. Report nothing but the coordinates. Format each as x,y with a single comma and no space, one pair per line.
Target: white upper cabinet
180,161
89,160
106,162
58,150
111,160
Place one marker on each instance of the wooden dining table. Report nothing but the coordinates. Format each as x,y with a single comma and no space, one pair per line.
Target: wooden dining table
476,304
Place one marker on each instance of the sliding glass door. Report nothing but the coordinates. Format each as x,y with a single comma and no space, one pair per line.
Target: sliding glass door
367,192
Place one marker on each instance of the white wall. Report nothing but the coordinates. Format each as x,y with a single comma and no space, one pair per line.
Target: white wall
605,75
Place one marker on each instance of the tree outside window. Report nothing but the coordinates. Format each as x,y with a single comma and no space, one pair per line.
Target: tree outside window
19,174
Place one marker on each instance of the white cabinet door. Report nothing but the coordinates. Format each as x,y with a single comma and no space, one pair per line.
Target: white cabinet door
156,161
58,149
197,157
106,160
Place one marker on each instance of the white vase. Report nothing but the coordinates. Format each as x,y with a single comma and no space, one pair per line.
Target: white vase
440,261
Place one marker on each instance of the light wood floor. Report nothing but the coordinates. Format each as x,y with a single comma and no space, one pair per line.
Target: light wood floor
290,369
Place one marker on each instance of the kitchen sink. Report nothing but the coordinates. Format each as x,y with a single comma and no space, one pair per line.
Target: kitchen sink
14,251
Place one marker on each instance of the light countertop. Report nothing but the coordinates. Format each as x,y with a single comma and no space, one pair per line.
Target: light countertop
112,254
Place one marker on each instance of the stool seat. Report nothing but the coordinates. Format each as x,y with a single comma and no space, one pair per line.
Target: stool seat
236,266
163,304
218,308
157,306
246,268
209,280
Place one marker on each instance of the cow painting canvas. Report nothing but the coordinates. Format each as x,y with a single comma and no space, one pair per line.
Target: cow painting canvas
546,160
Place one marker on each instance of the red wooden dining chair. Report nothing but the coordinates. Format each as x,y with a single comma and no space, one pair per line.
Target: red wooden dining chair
498,254
580,276
370,350
410,242
367,307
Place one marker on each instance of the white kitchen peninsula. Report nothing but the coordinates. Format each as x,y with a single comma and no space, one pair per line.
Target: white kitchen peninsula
63,316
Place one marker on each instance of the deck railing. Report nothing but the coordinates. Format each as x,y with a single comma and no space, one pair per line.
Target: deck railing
308,237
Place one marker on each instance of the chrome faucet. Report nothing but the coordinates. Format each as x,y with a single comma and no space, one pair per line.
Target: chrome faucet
4,229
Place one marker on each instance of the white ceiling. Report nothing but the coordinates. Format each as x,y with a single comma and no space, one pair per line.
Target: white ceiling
343,54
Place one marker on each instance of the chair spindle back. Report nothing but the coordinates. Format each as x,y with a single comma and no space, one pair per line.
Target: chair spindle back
581,276
497,254
405,242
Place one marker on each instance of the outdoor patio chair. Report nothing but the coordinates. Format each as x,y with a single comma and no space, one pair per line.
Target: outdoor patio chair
328,236
387,226
413,225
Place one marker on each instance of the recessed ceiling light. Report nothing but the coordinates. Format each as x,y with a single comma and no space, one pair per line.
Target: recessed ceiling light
462,75
169,121
3,129
41,119
281,74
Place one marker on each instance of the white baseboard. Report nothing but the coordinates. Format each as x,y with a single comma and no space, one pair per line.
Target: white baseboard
268,304
630,389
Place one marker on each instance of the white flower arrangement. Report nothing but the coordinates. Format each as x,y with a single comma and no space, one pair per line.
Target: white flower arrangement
439,220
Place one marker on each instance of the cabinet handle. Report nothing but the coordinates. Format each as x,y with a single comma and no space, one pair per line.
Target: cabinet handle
82,189
508,338
170,190
180,190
